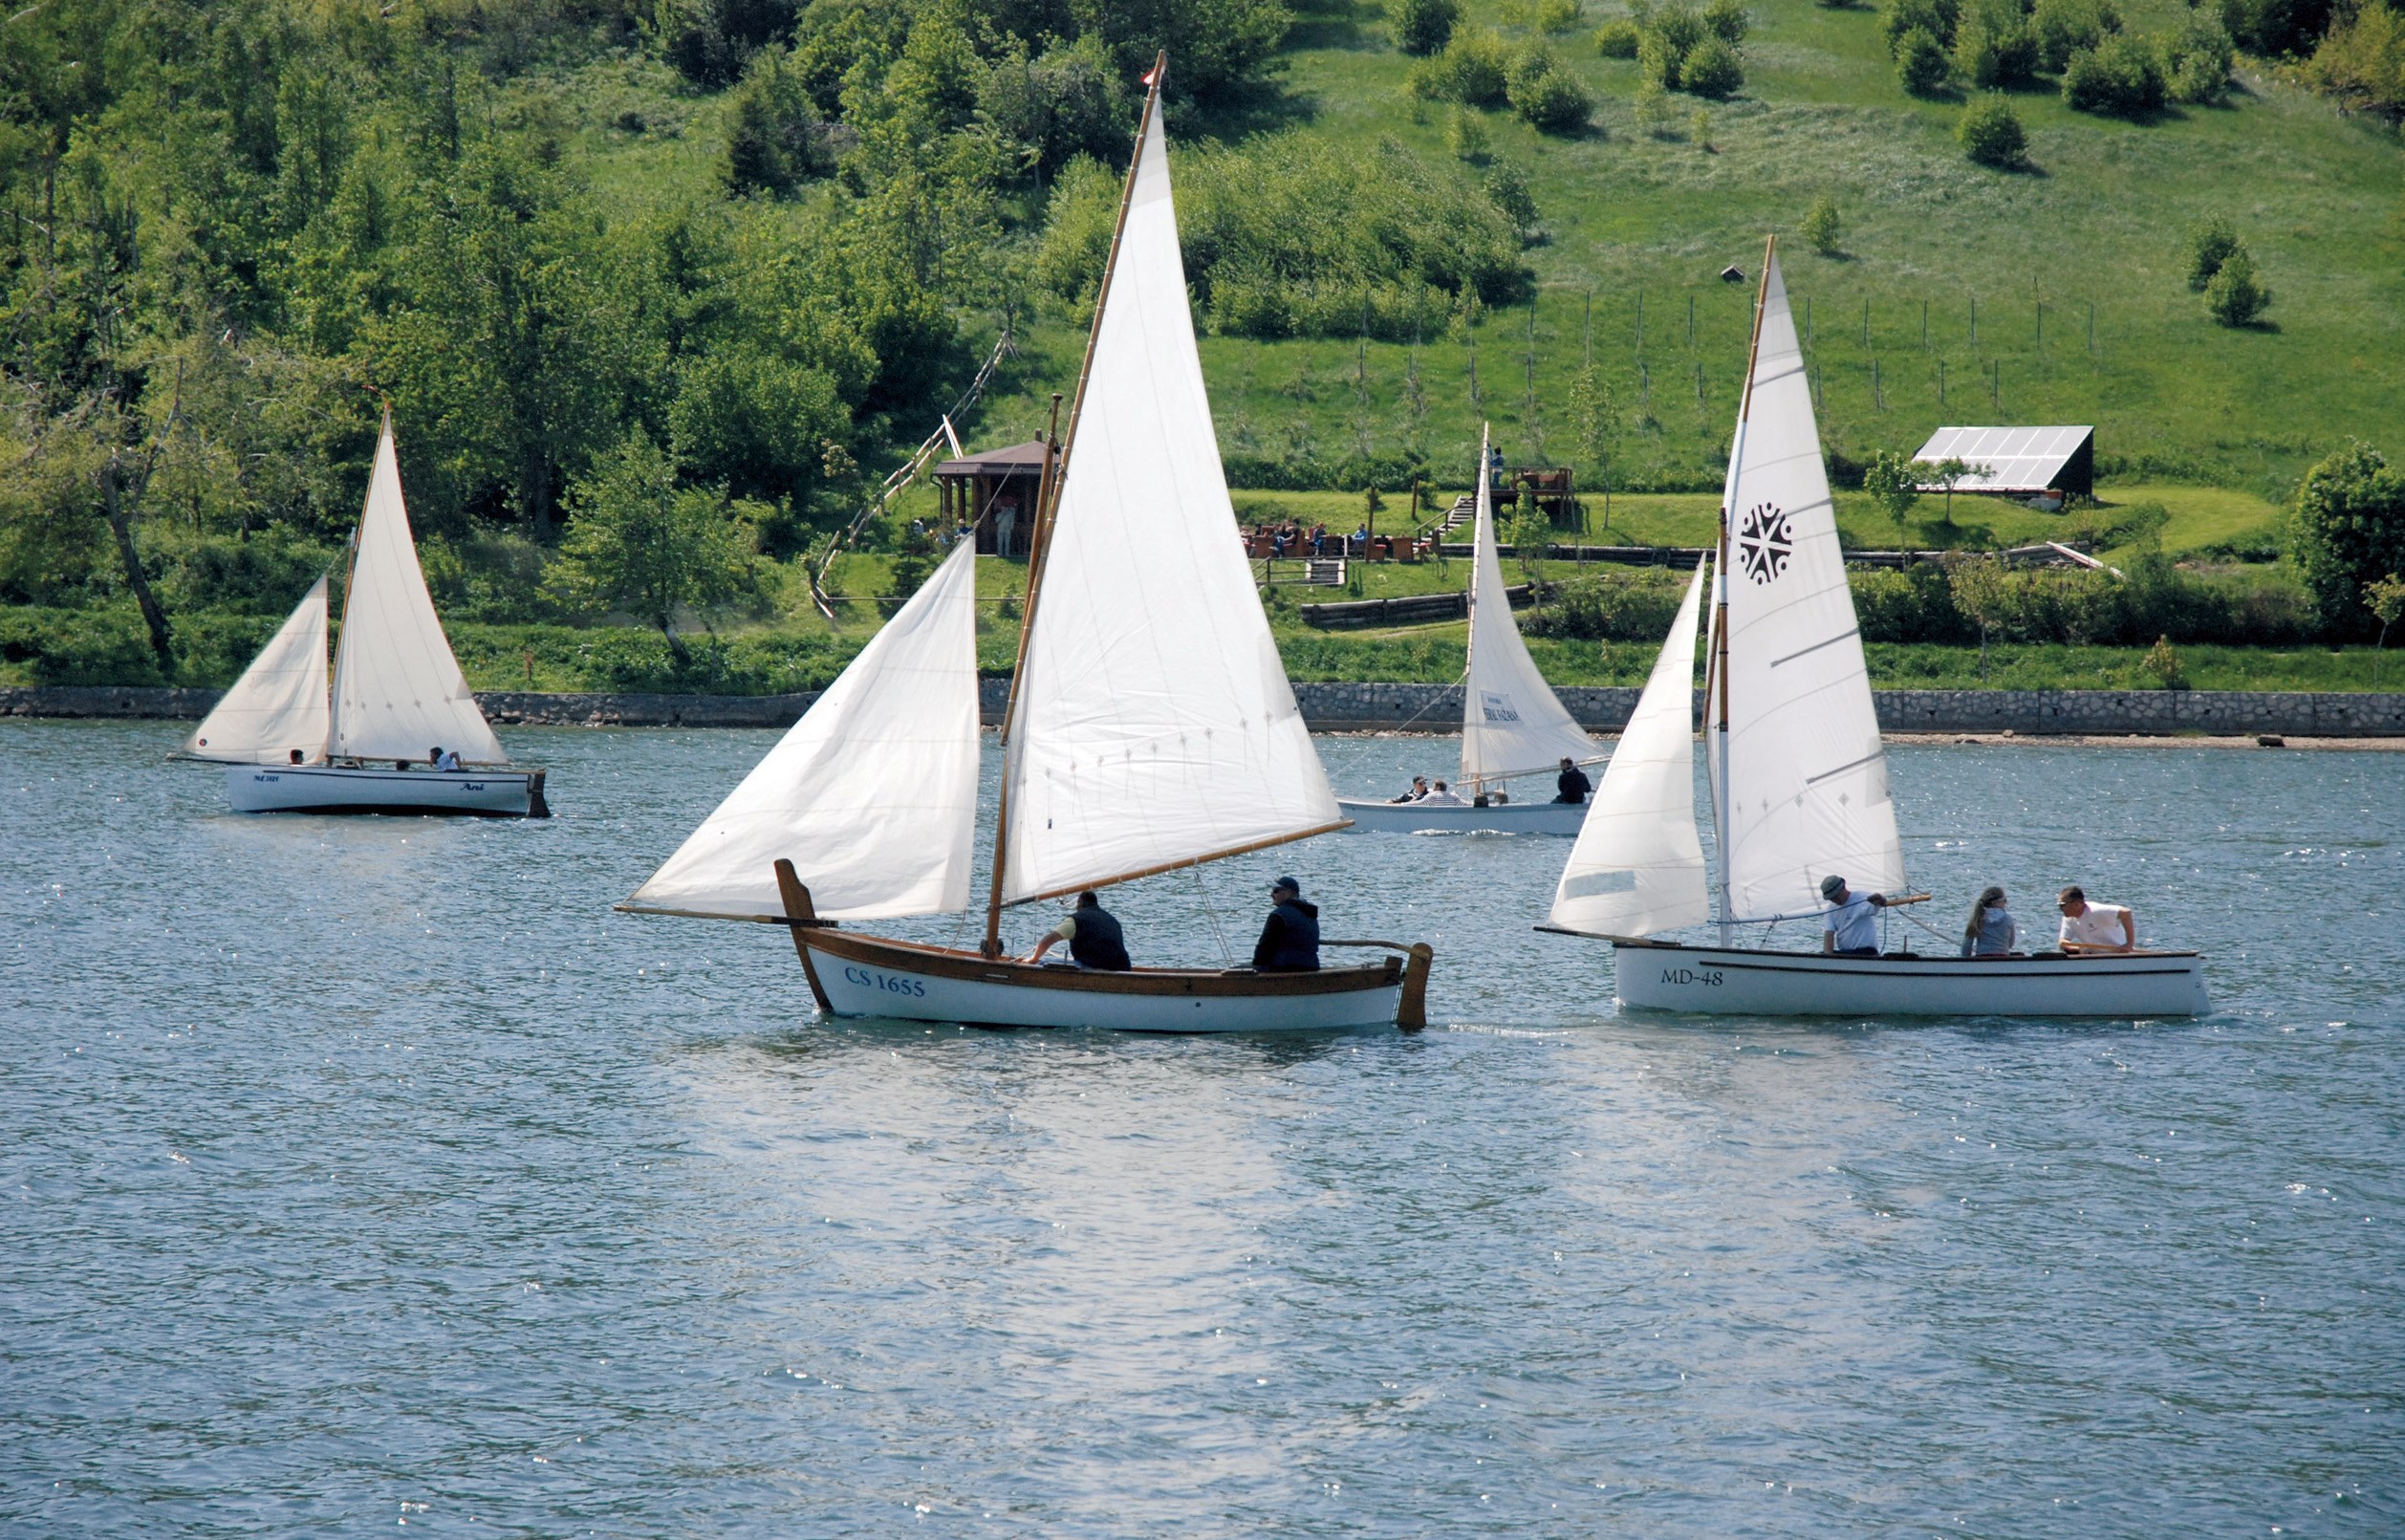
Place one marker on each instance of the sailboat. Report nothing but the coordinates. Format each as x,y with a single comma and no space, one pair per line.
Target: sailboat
1513,726
293,744
1149,725
1798,776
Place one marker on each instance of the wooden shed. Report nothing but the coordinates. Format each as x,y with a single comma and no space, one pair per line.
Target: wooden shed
994,493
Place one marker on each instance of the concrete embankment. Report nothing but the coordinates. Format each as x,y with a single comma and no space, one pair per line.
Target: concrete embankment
1426,709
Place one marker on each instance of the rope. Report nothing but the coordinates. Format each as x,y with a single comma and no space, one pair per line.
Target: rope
1203,891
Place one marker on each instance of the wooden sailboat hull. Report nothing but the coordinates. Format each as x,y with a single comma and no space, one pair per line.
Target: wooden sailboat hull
857,975
342,789
1510,818
1733,981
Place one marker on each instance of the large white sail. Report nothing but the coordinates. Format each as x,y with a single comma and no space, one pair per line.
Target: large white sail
1512,723
279,703
1806,779
1154,724
1638,867
872,795
398,691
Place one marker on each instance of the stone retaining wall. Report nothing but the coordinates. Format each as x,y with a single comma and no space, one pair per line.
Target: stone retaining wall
1417,708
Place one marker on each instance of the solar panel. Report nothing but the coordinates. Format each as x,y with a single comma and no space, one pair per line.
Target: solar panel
2015,458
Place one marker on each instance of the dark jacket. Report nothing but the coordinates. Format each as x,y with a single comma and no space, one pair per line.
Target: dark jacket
1290,939
1574,785
1098,942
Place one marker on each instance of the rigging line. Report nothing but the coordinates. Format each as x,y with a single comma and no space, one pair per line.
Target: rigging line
1226,954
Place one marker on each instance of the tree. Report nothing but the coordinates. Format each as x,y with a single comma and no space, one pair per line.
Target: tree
640,544
2198,56
1712,70
1821,227
1596,415
1727,20
1994,44
2235,297
2386,600
2064,26
1617,38
774,140
1921,63
1947,473
1982,590
1890,479
1423,27
1991,134
2348,529
2209,246
2119,77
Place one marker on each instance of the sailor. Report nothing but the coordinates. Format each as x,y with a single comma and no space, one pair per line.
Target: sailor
1094,937
1992,932
1419,792
1444,796
1573,783
1290,939
1849,929
442,760
2095,927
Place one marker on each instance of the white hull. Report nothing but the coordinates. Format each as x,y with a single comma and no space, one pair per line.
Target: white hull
1507,818
335,789
857,988
1735,982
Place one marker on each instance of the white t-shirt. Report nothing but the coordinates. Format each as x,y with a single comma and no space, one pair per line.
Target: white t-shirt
1447,798
1854,924
2100,925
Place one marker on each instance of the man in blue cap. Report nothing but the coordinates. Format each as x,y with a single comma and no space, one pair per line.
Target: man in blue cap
1290,939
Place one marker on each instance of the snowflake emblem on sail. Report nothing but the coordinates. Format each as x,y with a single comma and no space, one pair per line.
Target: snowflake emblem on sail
1764,543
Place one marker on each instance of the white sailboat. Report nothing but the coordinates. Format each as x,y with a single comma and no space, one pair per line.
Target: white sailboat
1513,726
1798,776
292,745
1150,727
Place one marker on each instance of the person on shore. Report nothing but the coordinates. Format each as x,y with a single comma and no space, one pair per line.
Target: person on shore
2095,927
1419,792
1573,784
1444,796
1093,936
1992,932
1850,928
1289,938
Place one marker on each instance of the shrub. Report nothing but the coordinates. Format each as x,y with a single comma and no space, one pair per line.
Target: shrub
2199,57
1466,136
1508,186
2361,63
1727,20
1472,70
2209,246
1624,606
2346,530
774,140
1618,39
2119,77
1991,134
1994,45
1712,70
1057,107
2164,665
1821,227
2272,28
1557,104
97,646
2235,297
1921,63
1558,16
1669,36
1935,17
2064,26
1423,27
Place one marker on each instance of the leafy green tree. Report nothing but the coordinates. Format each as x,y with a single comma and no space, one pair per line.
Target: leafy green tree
1935,17
1712,69
1595,414
640,544
1821,227
1948,473
2348,529
2277,27
2361,62
1546,95
2235,297
1891,481
2065,27
2386,600
1423,27
1067,103
1990,133
2209,244
1994,44
2198,57
1921,63
2119,77
774,140
1617,38
1982,590
1727,20
1473,70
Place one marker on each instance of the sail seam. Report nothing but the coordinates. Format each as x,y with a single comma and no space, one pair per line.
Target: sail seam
1815,647
1816,780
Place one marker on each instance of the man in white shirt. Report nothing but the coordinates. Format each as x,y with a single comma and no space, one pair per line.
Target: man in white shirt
2095,927
1852,926
1444,796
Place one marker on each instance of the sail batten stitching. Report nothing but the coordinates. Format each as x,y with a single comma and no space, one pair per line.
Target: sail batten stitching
1815,647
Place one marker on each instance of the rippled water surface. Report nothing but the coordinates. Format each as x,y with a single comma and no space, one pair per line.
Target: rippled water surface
356,1174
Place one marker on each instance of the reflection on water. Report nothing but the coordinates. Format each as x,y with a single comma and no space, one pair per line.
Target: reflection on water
366,1171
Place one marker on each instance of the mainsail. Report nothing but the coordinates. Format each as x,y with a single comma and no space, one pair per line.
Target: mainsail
873,795
1512,723
1638,867
398,691
279,703
1805,778
1153,726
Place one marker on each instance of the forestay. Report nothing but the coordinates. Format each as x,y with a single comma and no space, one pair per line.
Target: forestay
1806,791
872,795
1511,722
398,691
1638,867
279,703
1154,724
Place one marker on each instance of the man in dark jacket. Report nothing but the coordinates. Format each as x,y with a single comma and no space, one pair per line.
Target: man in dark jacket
1094,937
1573,783
1290,939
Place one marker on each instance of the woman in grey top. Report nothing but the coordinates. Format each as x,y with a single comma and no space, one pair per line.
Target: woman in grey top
1992,931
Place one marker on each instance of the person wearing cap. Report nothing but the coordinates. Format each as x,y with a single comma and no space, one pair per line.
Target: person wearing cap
1849,928
2095,927
1418,791
1289,938
1093,936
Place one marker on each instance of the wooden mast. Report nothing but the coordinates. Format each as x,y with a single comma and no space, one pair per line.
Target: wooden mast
1719,665
1056,454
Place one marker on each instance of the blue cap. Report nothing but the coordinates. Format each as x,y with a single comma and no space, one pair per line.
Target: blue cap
1289,885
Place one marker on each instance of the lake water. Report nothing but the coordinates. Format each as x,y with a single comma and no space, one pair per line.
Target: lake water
366,1174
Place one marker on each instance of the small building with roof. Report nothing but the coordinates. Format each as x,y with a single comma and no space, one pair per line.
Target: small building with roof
994,493
2021,461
